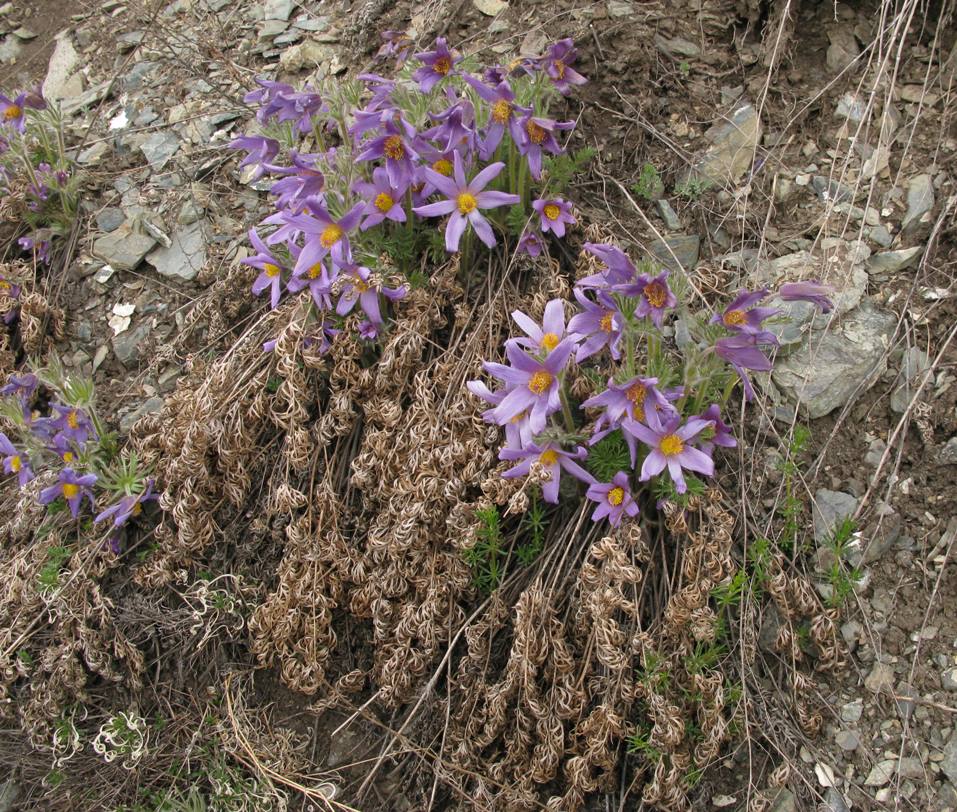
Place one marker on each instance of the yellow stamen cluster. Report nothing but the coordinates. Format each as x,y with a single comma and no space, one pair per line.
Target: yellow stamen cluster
501,111
671,444
15,464
271,270
549,341
394,148
636,393
559,68
5,286
68,457
539,382
442,65
443,167
137,509
607,322
656,294
548,457
733,318
466,202
70,490
315,271
552,211
331,234
537,133
71,420
12,112
384,202
616,496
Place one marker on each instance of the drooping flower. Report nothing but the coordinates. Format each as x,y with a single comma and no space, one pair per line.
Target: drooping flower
555,214
319,281
533,384
538,136
23,386
128,507
436,65
719,433
72,488
553,458
811,291
260,151
456,128
548,335
73,423
743,352
13,111
327,236
600,324
384,199
619,270
15,461
671,447
615,499
359,287
518,432
656,297
395,44
39,248
302,180
502,114
270,269
266,95
465,201
63,447
557,63
531,244
741,315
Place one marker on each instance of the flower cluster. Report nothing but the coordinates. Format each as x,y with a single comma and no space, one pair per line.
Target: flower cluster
657,417
369,164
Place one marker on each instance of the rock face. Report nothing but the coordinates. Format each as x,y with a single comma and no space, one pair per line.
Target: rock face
825,372
185,256
62,81
683,247
733,144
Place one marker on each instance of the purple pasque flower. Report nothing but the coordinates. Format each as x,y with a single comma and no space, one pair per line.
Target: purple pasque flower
741,315
259,152
671,447
129,506
548,335
619,270
600,324
395,44
743,352
553,458
302,180
533,384
73,423
655,298
268,91
456,128
23,386
72,488
557,63
63,447
531,244
719,432
615,499
302,107
319,281
39,247
441,162
13,111
14,461
538,135
518,432
270,269
395,146
384,199
465,200
555,214
502,113
811,291
359,287
436,65
327,236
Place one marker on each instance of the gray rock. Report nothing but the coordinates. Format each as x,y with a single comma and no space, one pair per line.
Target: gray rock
835,801
827,370
770,626
159,148
683,247
852,711
150,406
920,199
881,773
881,537
123,248
843,48
93,153
948,454
618,9
874,452
881,236
848,740
880,679
906,702
852,107
62,81
277,9
914,363
829,509
137,76
831,190
911,767
949,763
307,54
783,801
10,48
128,346
668,214
271,28
190,212
677,47
732,149
186,255
891,261
110,218
93,94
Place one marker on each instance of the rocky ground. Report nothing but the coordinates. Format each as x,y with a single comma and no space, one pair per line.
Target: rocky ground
786,149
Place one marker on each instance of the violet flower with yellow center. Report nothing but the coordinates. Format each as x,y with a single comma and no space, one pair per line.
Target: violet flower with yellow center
741,315
384,199
129,506
558,61
72,422
503,113
13,111
327,236
555,215
549,334
270,269
396,147
531,244
319,280
615,499
436,65
465,200
358,288
671,447
538,136
518,433
553,458
72,488
600,324
655,298
15,461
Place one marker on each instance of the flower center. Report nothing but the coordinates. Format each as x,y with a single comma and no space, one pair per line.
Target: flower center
559,68
671,444
15,464
331,234
550,341
636,393
71,420
442,65
394,148
540,381
70,491
384,202
536,132
361,285
616,496
443,167
5,285
733,318
549,457
12,112
552,211
501,111
315,270
656,294
271,270
607,322
137,509
68,457
467,203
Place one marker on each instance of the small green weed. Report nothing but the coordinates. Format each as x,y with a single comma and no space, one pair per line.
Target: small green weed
485,557
693,187
649,184
608,456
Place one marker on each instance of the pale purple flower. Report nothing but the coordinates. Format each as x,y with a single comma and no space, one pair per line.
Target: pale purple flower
395,44
436,65
718,434
743,352
303,180
13,111
555,214
128,507
671,448
358,289
531,244
72,488
546,336
553,458
456,128
502,114
319,281
270,269
396,146
811,291
465,200
628,401
655,298
14,461
619,269
538,136
384,199
741,315
615,499
23,386
327,236
600,324
518,432
259,152
74,423
557,63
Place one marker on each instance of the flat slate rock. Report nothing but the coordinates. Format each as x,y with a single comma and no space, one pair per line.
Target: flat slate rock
123,248
186,255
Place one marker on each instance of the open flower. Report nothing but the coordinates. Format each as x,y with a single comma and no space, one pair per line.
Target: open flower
502,114
741,315
655,298
384,199
395,146
71,487
14,461
533,384
436,65
719,433
359,287
743,352
270,269
260,151
600,323
538,136
465,200
553,458
456,128
671,447
810,291
557,63
319,281
327,236
555,214
13,111
23,386
614,499
548,335
129,506
73,423
518,432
